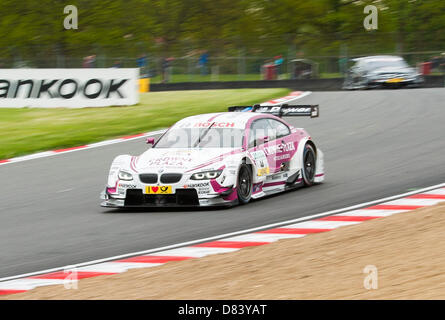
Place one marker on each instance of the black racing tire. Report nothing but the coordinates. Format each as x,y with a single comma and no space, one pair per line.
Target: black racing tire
309,165
347,84
244,184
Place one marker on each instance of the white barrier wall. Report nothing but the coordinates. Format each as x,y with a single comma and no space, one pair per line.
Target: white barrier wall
70,88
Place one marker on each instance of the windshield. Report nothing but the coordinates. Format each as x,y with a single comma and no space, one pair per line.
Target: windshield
210,137
381,63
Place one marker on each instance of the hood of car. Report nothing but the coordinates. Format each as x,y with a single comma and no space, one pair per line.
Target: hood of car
159,160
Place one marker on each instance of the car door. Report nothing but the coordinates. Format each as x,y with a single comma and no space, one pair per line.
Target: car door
273,153
282,147
256,143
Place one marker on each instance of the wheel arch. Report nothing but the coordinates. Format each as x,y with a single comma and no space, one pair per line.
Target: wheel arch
312,144
245,161
249,162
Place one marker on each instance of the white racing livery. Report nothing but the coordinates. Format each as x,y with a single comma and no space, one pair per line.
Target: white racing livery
219,159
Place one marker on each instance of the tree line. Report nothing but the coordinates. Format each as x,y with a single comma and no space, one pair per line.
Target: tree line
34,29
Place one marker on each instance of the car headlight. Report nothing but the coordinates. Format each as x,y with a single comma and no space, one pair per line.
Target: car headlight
125,176
206,175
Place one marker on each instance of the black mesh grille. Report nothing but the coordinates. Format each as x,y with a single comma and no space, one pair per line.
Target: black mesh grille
171,177
134,197
148,177
187,197
160,199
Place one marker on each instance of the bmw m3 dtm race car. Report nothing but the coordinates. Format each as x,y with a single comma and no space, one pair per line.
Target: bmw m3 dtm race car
219,159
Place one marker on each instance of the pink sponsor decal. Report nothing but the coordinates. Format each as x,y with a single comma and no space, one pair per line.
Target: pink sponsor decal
231,197
257,188
113,190
217,187
279,150
215,124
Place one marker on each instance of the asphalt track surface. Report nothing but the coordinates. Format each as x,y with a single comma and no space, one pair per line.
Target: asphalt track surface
376,144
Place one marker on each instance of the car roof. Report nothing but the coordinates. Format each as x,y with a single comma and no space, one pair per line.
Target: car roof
378,58
228,119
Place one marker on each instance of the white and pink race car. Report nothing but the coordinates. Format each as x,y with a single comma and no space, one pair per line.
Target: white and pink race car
219,159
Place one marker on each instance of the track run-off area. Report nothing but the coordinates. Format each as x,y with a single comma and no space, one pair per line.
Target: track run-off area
376,144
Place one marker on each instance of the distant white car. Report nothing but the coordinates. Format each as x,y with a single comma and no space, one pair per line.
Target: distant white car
219,159
381,72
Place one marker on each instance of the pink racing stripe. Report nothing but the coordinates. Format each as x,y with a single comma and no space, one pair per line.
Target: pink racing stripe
294,230
393,207
79,275
230,244
154,259
271,184
347,218
4,161
133,163
213,118
69,149
427,196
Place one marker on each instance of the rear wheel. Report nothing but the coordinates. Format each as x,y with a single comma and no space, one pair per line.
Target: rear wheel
244,185
309,162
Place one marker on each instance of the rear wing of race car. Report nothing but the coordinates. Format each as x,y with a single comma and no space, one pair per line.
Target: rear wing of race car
281,110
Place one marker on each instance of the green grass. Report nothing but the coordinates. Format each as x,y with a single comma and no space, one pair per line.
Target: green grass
326,75
200,78
230,77
30,130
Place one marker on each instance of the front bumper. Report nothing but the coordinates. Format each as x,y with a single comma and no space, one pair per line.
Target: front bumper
171,189
390,83
135,198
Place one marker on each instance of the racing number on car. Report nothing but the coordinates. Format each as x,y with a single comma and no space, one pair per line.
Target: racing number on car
261,162
158,189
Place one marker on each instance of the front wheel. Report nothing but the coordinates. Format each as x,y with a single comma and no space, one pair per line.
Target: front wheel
309,162
244,185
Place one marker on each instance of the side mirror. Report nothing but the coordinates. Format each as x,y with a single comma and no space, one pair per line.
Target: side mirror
150,141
